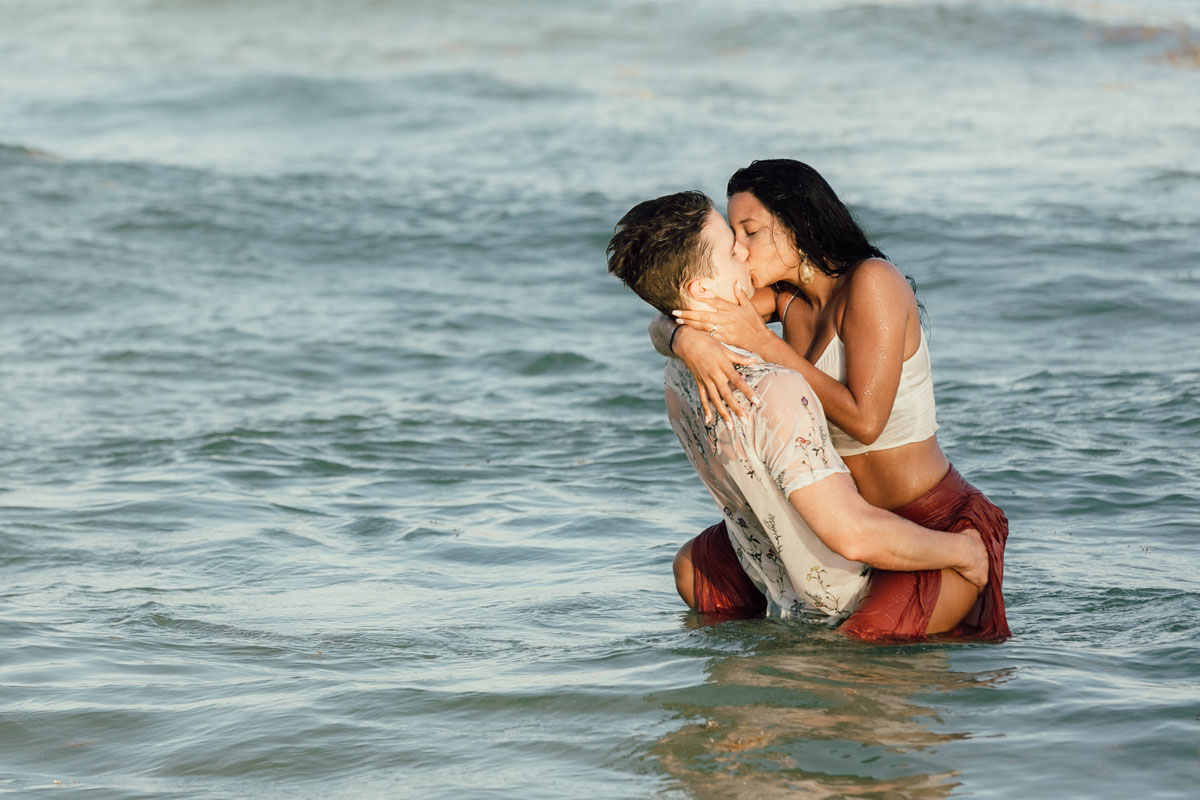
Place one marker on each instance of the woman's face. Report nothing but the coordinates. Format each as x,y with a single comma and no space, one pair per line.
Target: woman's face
772,254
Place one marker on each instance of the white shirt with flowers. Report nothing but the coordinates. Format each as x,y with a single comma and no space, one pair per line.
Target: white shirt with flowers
751,469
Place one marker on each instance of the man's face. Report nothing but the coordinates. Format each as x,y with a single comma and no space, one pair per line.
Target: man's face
728,259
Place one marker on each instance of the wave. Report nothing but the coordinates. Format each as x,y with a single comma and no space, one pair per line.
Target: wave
1116,14
19,154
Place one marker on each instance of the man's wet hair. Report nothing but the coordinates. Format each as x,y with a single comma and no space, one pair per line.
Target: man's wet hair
657,247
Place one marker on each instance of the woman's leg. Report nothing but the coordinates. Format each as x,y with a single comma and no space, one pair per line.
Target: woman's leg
911,605
954,602
685,578
710,579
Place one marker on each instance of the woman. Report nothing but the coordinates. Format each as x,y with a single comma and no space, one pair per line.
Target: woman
851,327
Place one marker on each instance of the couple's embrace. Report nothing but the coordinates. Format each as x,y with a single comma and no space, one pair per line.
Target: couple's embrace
819,447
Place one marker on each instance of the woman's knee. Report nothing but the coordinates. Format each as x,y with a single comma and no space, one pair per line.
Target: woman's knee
685,579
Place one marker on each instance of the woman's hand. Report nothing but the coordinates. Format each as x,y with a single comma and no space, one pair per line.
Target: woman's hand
711,364
738,324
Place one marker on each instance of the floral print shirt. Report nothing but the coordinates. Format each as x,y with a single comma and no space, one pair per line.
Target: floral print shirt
751,468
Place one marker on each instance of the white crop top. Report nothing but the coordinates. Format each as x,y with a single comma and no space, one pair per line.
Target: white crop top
914,415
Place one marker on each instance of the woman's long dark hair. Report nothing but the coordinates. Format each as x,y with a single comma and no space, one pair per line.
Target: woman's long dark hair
821,225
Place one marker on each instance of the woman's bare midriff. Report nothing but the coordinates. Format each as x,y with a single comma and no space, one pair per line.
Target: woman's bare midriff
895,477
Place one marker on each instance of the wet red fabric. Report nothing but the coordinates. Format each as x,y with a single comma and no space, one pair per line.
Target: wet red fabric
899,605
722,588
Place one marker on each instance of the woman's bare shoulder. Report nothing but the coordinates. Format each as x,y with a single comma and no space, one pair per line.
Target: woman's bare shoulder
878,273
877,281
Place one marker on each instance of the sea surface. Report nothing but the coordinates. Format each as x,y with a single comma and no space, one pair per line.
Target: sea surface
333,464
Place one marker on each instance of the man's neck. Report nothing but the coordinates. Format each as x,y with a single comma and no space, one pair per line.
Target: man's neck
697,305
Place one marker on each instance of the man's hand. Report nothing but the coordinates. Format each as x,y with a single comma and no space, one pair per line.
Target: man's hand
975,568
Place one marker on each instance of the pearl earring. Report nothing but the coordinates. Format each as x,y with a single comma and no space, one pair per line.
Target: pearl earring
807,273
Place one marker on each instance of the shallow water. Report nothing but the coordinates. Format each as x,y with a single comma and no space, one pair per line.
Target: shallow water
334,464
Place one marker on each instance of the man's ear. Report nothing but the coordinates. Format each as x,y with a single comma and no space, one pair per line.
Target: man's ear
698,289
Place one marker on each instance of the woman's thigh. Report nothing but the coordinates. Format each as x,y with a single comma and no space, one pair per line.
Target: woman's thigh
910,605
685,580
954,602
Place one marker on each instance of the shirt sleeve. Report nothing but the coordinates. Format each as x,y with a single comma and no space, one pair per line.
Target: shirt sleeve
791,435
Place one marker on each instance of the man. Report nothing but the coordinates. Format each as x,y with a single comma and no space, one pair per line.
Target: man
804,538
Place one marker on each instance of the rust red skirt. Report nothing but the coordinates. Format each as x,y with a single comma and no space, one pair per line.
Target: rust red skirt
898,605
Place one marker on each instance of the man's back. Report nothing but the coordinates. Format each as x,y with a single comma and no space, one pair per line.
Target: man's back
751,469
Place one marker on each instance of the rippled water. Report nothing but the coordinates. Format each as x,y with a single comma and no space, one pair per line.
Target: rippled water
333,464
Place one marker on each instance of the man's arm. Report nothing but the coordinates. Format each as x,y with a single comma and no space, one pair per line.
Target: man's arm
662,328
857,530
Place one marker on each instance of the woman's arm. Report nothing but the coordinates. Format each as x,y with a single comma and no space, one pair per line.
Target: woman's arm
880,310
765,301
874,327
663,328
789,436
858,531
711,364
741,325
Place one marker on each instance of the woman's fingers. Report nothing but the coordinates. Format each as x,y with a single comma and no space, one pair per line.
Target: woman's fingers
711,398
722,400
739,384
742,298
717,381
725,313
703,321
728,403
702,326
704,404
695,316
718,396
710,328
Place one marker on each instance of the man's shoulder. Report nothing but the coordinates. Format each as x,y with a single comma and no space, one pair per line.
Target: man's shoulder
777,385
760,375
785,394
764,374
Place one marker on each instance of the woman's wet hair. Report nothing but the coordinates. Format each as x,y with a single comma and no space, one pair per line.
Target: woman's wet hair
821,226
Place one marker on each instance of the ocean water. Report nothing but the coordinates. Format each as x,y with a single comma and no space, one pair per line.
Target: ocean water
334,464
